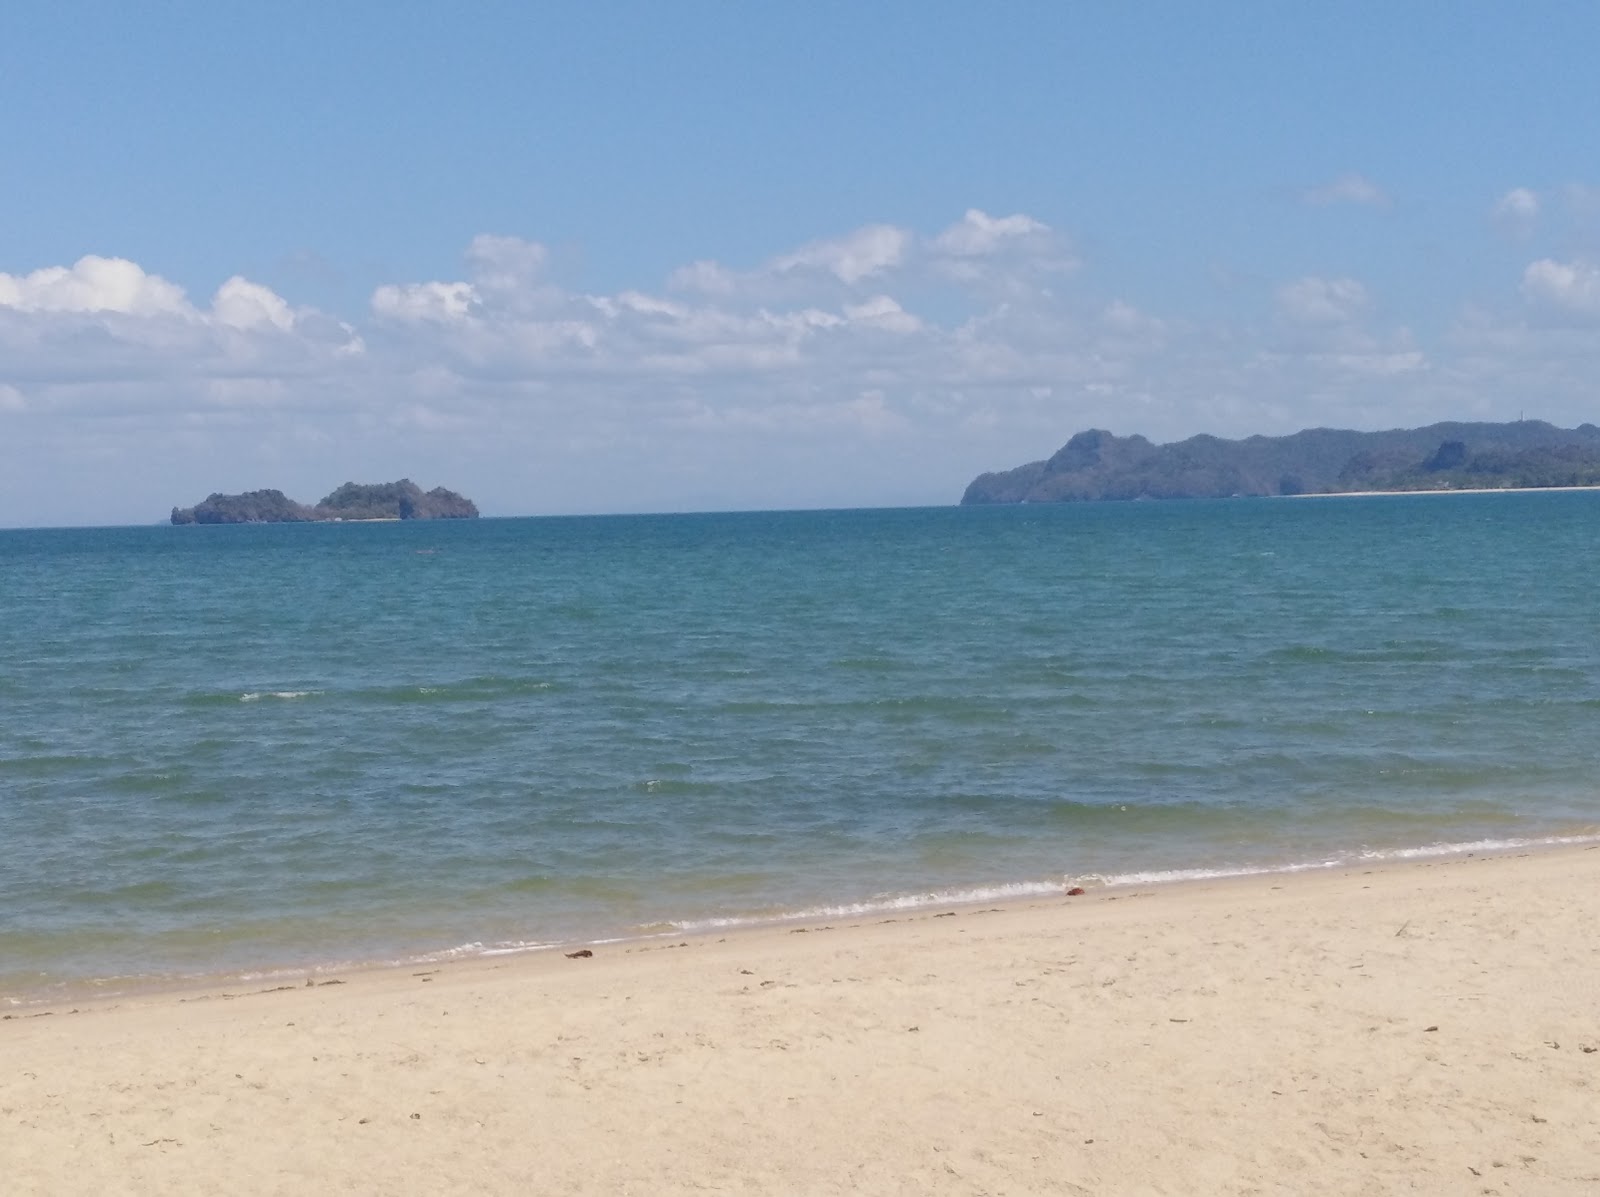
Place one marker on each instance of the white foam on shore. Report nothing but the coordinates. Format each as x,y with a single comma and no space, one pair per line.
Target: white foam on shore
1022,890
886,904
1366,856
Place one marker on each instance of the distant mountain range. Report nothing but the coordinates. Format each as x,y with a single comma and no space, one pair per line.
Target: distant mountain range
1096,465
402,500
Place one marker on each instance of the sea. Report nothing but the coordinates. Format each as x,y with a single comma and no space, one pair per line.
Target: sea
284,750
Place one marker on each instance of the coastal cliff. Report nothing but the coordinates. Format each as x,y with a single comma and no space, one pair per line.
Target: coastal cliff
1096,465
402,500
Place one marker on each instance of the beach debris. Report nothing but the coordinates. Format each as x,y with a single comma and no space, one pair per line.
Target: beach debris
1588,1049
1425,1030
1077,891
580,954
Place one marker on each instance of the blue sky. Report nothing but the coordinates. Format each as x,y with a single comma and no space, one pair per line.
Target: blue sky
619,257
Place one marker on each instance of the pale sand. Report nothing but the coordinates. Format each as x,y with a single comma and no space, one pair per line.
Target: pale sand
1459,490
1419,1028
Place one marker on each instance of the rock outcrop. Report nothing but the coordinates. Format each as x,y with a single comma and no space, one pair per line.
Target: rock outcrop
402,500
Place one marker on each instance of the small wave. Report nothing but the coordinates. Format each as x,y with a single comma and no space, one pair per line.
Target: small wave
886,904
1365,856
286,695
1022,890
476,689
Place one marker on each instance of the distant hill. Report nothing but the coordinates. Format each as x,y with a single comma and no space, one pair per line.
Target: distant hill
402,500
1096,465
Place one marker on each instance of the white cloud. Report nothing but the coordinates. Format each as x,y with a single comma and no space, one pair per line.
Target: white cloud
1517,211
1571,287
1322,301
416,302
978,233
882,312
982,254
242,304
868,251
93,284
1347,189
11,398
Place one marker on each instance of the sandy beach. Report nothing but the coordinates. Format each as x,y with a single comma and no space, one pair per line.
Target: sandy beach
1425,1027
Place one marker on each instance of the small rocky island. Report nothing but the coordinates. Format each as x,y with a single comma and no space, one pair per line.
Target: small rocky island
1095,465
402,500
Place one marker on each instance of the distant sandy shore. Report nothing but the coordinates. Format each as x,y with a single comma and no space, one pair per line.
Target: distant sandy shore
1465,490
1418,1027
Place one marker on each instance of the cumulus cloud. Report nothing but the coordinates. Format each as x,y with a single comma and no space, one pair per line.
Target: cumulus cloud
83,336
977,233
93,284
1347,189
882,312
859,255
1517,212
977,249
241,304
443,303
1568,287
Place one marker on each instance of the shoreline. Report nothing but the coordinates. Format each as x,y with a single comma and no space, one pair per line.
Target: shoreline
1420,1024
313,971
1464,490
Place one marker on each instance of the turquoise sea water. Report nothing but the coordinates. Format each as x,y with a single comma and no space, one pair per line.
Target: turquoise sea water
245,749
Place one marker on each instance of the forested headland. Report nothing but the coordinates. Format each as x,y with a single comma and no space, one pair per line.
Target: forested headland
1097,465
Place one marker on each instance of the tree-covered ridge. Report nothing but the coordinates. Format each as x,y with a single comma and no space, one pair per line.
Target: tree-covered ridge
402,500
1451,456
394,500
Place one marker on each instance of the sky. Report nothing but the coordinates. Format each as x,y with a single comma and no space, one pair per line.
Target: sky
618,257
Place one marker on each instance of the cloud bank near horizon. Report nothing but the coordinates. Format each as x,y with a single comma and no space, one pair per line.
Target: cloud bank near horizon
879,365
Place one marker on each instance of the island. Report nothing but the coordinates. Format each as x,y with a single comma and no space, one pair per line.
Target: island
402,500
1096,465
